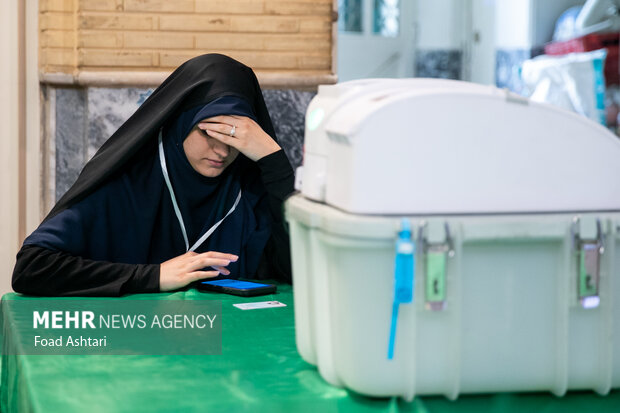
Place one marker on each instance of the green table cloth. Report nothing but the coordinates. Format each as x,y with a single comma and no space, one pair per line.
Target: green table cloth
259,371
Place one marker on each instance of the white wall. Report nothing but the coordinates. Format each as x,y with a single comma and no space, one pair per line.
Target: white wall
544,16
520,24
523,24
512,24
440,24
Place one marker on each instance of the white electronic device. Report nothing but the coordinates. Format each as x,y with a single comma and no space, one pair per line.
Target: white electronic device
512,211
453,147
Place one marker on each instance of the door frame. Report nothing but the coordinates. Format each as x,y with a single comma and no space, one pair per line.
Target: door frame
470,61
20,146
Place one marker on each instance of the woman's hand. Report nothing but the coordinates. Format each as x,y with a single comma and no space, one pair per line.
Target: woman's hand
187,268
248,138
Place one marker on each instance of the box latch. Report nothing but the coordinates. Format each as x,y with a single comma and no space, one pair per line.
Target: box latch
435,258
588,252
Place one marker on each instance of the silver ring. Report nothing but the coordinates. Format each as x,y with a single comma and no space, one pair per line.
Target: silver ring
232,131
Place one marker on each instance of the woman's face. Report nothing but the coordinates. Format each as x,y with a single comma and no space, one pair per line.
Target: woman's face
208,156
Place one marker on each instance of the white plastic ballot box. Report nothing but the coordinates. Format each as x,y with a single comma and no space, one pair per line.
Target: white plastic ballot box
514,213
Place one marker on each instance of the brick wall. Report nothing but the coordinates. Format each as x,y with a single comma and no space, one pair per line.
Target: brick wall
291,37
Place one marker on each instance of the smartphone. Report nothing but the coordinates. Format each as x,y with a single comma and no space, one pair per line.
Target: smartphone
237,287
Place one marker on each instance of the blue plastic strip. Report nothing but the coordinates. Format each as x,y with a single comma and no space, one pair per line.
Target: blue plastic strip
392,341
599,88
403,278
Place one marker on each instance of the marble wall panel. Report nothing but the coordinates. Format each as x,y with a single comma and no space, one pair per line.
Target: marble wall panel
69,137
444,64
288,114
86,118
508,67
108,109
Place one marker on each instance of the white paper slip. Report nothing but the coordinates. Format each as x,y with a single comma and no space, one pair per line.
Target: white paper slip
259,305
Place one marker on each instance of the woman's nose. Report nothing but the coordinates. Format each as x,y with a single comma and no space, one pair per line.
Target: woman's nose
221,149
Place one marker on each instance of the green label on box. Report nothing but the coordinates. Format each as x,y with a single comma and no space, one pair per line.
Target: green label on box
435,276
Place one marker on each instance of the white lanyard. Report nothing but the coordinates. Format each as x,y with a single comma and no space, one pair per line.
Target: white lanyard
164,170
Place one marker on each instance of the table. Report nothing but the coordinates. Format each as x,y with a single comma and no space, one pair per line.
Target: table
259,370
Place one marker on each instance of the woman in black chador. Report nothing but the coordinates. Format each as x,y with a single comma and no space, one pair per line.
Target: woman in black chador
190,187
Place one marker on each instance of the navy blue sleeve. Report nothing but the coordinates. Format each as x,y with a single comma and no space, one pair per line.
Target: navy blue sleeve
44,272
279,180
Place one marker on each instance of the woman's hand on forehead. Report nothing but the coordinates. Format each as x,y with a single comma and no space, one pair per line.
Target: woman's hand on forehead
242,133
